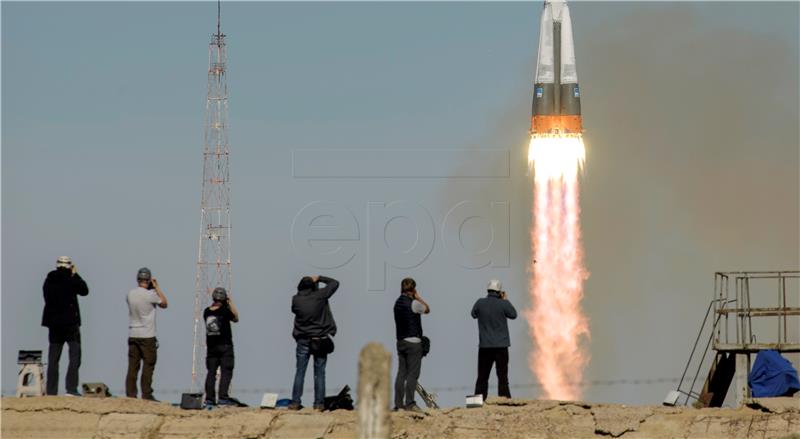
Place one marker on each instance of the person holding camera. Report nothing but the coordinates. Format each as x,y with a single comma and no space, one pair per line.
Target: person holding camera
142,342
219,347
408,325
493,312
313,328
62,317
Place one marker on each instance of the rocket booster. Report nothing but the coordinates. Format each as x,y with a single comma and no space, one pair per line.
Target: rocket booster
556,95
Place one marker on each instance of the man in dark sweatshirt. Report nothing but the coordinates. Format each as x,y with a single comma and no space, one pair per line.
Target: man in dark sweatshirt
493,312
313,321
62,317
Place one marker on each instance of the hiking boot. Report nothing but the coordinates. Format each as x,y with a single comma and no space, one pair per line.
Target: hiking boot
209,403
150,398
295,406
319,407
72,394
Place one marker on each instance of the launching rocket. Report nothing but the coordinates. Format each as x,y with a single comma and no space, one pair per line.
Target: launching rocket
556,155
556,96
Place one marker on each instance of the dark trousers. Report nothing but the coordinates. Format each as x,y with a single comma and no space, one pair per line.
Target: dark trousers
303,353
219,357
487,356
410,362
57,337
141,351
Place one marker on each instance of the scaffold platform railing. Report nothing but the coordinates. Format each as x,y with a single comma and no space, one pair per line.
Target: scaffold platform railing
737,311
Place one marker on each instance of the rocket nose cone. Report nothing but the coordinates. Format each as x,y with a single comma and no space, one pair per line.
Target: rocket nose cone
556,6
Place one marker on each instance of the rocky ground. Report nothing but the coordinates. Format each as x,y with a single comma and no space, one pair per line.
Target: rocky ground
74,418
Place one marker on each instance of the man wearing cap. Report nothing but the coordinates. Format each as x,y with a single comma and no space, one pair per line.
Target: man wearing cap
493,312
62,317
142,343
219,347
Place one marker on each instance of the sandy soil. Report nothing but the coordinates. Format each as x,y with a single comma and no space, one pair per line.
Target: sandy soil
73,418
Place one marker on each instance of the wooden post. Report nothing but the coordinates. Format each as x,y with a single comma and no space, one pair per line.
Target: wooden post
373,392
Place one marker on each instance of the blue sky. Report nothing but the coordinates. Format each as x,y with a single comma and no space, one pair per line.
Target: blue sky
690,111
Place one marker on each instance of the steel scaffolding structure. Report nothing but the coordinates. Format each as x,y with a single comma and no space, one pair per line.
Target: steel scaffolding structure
740,315
732,336
214,252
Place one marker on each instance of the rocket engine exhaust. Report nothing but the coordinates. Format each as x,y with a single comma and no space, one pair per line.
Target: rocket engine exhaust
556,155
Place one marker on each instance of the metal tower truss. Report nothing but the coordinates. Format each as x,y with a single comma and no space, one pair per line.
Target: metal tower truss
214,250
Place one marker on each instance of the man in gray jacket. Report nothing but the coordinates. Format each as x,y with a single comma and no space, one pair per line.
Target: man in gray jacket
493,312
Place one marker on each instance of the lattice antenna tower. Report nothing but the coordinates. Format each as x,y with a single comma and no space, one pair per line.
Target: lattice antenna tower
214,252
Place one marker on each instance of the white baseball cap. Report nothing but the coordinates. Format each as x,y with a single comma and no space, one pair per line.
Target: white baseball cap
495,285
64,262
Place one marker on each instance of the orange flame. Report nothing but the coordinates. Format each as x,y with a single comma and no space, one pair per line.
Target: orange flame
555,320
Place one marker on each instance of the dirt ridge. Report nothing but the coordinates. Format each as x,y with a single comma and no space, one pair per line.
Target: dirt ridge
118,418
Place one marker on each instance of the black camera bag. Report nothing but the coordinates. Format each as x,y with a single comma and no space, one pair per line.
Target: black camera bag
426,345
321,345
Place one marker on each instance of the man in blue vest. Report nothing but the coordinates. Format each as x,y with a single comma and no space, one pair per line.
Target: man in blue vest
407,310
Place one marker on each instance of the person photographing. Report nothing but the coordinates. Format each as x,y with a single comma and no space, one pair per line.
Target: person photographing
314,328
408,325
142,342
62,317
493,313
219,347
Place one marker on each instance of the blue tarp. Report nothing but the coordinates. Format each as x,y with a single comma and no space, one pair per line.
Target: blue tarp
772,375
